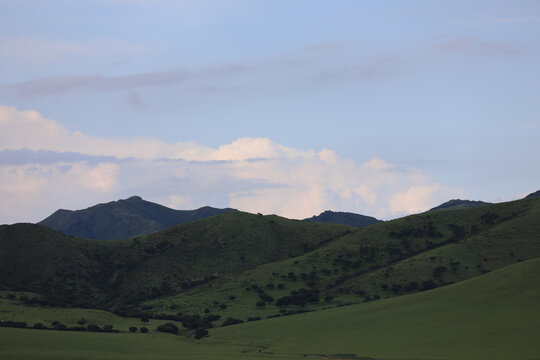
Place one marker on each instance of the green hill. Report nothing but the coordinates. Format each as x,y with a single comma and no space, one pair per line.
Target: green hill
345,218
495,316
389,259
456,204
123,219
99,273
252,267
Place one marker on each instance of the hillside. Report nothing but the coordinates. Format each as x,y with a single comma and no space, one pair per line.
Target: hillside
389,259
456,204
246,266
99,273
345,218
490,317
123,219
494,316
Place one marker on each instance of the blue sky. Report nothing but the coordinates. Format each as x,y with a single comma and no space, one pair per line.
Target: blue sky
382,108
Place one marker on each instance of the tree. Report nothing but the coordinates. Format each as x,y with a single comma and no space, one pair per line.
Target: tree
168,328
132,329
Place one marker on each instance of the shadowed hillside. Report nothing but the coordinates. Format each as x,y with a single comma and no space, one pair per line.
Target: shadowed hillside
123,219
456,204
345,218
69,270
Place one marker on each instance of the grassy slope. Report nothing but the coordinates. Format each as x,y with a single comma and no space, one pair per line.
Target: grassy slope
93,272
494,316
353,268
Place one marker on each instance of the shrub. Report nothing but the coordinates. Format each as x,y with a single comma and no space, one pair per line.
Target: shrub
231,321
200,333
108,328
15,324
76,328
438,271
93,328
132,329
143,330
328,298
168,328
260,304
39,326
222,306
427,285
59,326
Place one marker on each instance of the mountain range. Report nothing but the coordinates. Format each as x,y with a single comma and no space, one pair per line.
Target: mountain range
468,273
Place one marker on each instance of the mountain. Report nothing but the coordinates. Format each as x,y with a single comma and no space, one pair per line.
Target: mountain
345,218
388,259
456,204
123,219
470,277
99,273
256,265
534,194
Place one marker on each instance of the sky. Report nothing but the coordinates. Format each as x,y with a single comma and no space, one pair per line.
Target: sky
383,108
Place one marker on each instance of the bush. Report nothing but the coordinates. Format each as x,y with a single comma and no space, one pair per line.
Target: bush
260,304
168,328
59,326
39,326
108,328
132,329
231,321
143,330
93,328
76,328
200,333
438,271
427,285
15,324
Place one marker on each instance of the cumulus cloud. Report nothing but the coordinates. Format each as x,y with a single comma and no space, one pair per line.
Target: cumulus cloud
45,166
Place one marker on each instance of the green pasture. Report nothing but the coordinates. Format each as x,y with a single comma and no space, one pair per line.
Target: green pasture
493,316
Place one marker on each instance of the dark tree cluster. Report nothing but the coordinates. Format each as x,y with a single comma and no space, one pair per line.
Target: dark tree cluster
300,297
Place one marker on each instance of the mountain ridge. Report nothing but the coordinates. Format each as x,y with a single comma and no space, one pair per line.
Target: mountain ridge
344,218
122,219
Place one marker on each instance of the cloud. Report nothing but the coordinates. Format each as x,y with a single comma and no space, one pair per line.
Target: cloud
492,21
97,82
44,166
327,46
472,44
135,99
365,70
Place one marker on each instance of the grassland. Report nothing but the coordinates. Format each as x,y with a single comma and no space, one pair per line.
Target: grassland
378,262
493,316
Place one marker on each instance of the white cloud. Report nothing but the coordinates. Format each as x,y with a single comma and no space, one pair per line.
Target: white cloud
251,174
420,198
